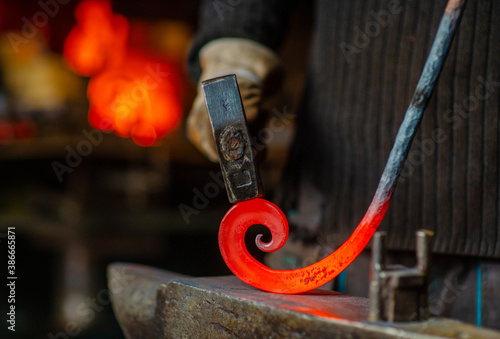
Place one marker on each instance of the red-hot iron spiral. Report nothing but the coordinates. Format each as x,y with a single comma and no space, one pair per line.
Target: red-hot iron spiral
259,211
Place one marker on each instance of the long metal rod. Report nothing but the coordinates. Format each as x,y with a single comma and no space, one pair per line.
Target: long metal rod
413,117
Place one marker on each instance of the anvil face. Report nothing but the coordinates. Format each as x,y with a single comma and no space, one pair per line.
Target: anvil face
151,303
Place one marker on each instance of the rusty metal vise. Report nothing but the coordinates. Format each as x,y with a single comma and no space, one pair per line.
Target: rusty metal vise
399,293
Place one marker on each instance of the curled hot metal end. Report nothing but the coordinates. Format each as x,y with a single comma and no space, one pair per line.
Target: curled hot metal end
259,211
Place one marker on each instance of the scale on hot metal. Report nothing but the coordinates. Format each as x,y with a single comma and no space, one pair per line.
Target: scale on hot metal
150,303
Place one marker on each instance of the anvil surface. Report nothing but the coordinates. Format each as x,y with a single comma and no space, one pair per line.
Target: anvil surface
151,303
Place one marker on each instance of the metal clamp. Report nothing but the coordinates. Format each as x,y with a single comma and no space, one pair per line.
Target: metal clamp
399,293
229,126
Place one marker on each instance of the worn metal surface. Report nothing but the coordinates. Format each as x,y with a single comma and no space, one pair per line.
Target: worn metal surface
133,290
232,140
399,293
150,303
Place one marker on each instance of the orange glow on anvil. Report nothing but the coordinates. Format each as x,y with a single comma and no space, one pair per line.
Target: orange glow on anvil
130,93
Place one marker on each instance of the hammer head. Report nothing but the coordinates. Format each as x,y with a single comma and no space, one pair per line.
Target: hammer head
229,126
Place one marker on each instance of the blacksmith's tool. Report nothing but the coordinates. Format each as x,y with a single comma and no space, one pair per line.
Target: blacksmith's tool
228,123
232,140
151,303
399,293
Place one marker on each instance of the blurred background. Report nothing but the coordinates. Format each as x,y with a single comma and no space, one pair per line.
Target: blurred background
94,163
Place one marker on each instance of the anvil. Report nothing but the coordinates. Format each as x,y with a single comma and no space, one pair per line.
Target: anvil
150,303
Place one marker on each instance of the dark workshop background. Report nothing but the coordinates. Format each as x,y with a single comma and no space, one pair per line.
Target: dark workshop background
119,202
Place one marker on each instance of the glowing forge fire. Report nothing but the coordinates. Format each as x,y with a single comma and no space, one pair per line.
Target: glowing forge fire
137,100
98,40
130,93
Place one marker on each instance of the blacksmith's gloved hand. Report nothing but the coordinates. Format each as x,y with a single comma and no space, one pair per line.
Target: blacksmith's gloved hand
257,68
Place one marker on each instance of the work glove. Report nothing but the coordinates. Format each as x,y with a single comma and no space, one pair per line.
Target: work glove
257,70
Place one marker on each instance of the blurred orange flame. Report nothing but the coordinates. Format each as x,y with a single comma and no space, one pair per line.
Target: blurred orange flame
99,38
130,93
